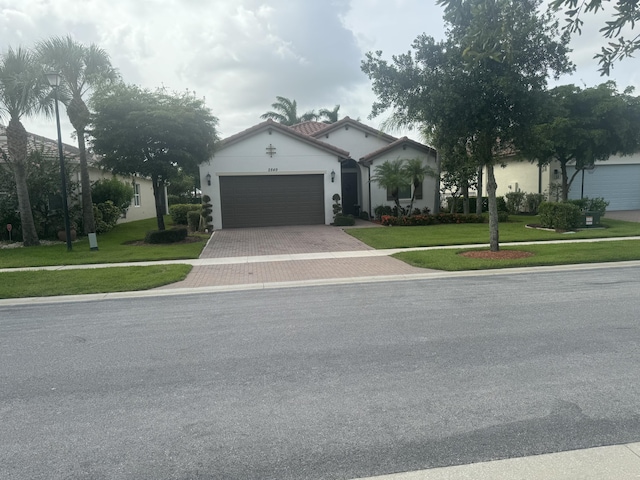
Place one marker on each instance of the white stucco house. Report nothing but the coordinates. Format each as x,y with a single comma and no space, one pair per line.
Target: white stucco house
617,180
271,174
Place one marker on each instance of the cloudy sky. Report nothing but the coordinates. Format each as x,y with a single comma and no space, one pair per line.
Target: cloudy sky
240,54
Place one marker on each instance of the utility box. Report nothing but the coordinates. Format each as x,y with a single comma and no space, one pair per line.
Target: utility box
591,219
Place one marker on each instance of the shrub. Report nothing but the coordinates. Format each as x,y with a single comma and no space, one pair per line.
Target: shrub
502,204
561,216
381,210
112,189
514,201
106,216
205,214
172,235
427,219
364,215
344,221
532,202
587,204
337,208
179,212
193,220
503,216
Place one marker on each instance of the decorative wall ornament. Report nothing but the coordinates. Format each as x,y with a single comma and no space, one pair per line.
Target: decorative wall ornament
271,150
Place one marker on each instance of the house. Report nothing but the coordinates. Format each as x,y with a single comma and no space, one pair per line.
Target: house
142,204
272,174
617,180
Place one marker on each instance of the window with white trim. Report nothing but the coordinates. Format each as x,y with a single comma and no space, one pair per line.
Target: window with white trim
136,194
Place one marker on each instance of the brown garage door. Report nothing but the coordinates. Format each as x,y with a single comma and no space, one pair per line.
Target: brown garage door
272,200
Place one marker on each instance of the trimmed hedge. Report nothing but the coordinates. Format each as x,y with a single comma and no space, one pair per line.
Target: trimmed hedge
561,216
343,221
179,212
193,220
428,219
172,235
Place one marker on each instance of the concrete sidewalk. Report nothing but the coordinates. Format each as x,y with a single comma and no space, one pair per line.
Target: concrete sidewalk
616,462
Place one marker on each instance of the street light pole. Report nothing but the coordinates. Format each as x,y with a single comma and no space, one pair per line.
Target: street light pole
54,81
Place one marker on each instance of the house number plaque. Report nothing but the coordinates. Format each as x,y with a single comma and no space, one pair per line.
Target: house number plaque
272,169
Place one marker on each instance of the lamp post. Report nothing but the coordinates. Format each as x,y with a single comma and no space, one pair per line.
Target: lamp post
54,80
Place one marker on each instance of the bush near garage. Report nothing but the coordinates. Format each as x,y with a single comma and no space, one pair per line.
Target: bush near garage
428,219
179,212
172,235
560,216
344,221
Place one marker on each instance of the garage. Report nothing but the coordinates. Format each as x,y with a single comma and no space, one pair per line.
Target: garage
618,184
272,200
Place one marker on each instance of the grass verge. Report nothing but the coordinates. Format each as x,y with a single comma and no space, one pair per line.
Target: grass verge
118,245
460,234
554,254
44,283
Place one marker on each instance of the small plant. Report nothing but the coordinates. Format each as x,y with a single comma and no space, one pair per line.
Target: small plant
193,220
532,202
106,216
381,210
206,218
364,215
560,216
179,212
337,208
344,220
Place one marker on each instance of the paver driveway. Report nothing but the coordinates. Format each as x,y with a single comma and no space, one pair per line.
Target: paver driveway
250,242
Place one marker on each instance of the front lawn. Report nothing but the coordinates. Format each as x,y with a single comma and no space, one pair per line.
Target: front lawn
115,246
551,254
474,233
44,283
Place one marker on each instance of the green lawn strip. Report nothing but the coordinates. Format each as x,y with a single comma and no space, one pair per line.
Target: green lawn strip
45,283
470,233
114,246
553,254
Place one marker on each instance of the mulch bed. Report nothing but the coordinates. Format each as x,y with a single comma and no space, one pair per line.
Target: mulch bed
500,255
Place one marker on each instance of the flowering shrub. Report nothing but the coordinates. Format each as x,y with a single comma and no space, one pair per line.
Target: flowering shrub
427,219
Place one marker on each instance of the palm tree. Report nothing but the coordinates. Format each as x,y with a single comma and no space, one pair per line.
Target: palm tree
415,171
82,68
329,116
24,91
285,111
391,176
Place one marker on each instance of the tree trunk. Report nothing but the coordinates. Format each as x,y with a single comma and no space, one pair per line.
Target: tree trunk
479,193
465,197
157,195
17,149
88,220
492,186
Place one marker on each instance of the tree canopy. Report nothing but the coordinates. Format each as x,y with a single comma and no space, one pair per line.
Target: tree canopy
582,126
627,14
152,134
478,88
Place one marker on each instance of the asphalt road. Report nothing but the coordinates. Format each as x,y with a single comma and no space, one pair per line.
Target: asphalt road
320,382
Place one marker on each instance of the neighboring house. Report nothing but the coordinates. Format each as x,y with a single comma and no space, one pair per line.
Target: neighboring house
142,204
271,174
617,180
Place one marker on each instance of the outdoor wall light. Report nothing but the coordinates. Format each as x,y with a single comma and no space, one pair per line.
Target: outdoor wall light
208,177
333,176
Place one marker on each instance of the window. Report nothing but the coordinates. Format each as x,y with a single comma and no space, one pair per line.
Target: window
136,194
404,192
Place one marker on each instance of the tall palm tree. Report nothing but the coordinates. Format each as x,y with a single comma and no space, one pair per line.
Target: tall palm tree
415,171
285,111
82,68
24,91
329,116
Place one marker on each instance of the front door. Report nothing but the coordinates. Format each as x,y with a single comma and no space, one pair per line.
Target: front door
350,193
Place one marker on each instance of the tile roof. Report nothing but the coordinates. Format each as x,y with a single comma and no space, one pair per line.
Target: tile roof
369,158
50,146
269,123
309,128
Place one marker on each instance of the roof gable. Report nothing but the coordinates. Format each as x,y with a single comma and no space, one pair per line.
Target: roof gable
291,132
347,122
399,143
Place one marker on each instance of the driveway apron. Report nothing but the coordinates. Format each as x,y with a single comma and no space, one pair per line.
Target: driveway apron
240,243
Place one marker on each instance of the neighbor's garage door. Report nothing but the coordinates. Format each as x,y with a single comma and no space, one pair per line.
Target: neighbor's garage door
272,200
618,184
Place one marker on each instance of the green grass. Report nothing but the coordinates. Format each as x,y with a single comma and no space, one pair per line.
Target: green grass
113,247
45,283
553,254
463,234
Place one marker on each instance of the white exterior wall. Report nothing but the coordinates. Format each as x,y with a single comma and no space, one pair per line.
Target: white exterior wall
147,207
249,157
379,195
358,143
521,176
